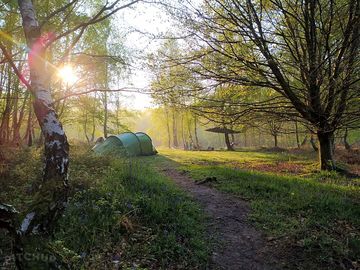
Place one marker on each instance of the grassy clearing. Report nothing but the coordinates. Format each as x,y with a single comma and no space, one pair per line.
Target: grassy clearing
282,162
314,221
222,157
120,210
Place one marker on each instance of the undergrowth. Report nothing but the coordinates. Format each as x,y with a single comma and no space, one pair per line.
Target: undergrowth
121,215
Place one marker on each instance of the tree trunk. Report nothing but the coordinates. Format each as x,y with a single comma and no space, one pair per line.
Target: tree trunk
184,142
117,119
196,134
5,121
56,150
191,141
49,203
304,141
15,131
85,127
18,121
93,121
228,143
105,115
28,133
326,150
168,127
313,144
245,138
346,143
275,140
93,130
175,140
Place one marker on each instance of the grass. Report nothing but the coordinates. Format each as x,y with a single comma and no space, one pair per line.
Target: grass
125,212
314,220
241,156
284,162
120,212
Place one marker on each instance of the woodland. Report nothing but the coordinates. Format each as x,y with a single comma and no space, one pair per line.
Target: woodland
252,106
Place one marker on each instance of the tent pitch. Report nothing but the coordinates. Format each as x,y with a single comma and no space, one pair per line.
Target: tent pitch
126,144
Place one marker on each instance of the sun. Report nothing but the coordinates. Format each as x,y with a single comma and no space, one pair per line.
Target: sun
67,74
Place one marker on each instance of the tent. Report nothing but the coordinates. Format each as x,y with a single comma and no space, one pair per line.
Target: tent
126,144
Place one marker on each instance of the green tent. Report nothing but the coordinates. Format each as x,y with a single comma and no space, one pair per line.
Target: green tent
126,144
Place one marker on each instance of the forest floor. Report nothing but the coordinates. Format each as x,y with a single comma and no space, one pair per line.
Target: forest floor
271,209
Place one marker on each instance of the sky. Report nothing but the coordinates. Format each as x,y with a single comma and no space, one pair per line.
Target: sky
149,19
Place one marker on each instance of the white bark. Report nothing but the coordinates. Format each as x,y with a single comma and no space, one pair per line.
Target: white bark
56,150
56,145
26,222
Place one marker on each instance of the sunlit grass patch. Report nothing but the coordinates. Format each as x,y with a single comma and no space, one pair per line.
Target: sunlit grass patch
277,162
233,156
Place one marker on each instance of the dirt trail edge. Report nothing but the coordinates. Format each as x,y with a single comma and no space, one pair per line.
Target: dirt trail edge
240,246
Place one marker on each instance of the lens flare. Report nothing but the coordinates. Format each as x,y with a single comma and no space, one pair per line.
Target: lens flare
67,74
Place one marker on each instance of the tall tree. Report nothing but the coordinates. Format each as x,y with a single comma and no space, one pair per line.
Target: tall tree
305,51
52,194
56,149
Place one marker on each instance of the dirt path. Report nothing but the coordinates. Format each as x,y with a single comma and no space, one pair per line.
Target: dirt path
240,246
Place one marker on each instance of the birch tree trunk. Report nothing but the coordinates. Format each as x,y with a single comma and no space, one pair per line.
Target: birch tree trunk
56,152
